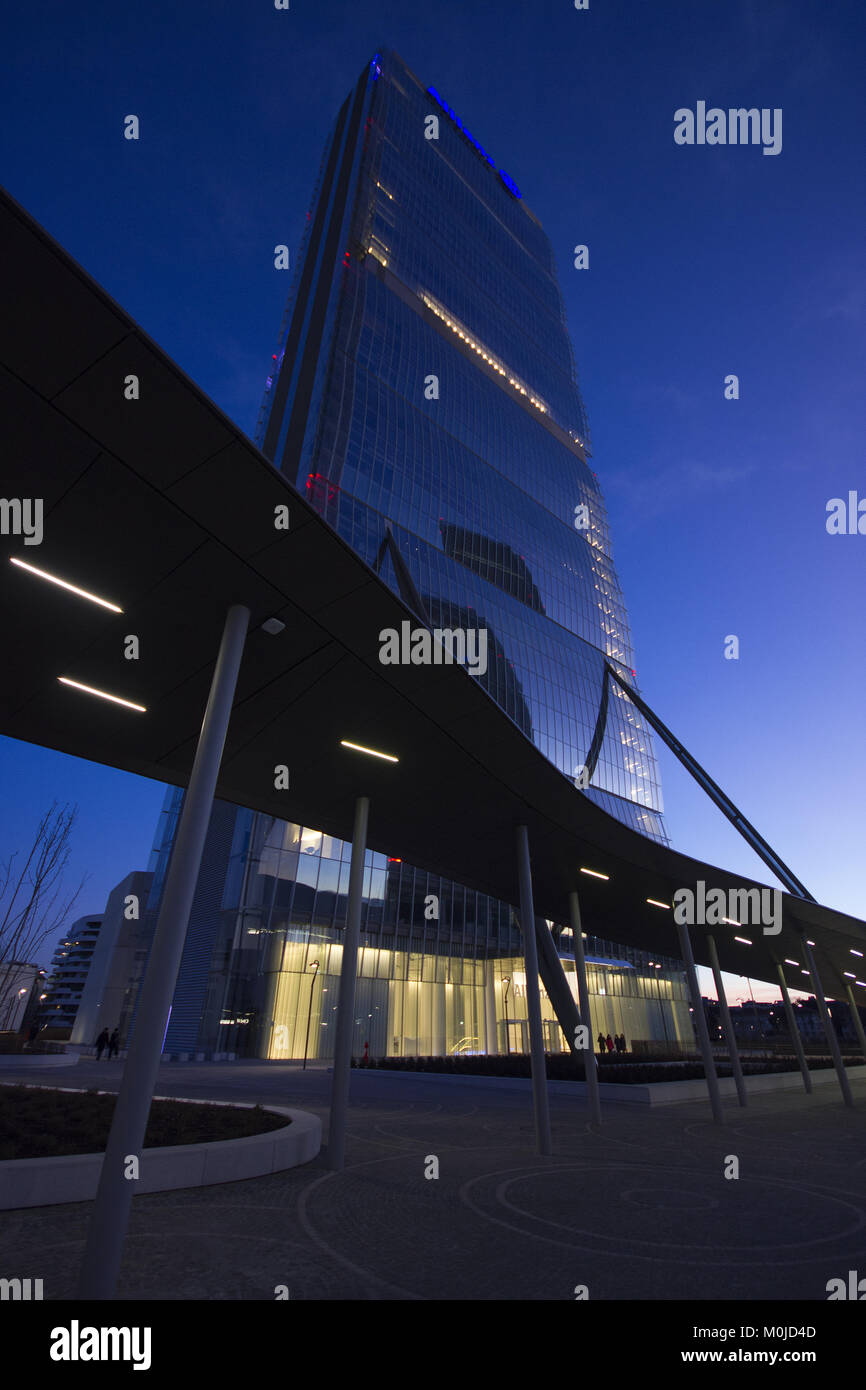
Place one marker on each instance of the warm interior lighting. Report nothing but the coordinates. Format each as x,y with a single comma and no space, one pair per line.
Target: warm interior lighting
652,902
791,962
103,694
359,748
62,584
593,873
744,940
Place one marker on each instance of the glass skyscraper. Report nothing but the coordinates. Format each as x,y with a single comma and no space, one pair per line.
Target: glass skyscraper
425,400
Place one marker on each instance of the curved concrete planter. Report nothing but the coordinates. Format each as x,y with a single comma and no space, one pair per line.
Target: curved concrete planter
42,1182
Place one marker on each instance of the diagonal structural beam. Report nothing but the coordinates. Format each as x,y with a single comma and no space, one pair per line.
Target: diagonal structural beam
556,985
406,584
752,837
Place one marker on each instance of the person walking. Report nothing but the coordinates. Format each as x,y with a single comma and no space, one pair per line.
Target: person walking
609,1043
102,1042
113,1045
623,1044
601,1044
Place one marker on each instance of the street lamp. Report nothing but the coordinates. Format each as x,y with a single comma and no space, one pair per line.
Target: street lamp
314,966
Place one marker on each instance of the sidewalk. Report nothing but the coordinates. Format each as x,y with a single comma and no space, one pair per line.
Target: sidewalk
641,1209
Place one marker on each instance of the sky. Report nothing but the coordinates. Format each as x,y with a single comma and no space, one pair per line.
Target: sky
704,261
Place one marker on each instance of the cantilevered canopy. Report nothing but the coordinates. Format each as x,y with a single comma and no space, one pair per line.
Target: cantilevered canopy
163,508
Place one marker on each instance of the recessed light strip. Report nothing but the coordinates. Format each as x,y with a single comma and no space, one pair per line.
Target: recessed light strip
359,748
62,584
103,694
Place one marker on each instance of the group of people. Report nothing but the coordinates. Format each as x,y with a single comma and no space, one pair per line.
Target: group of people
607,1044
107,1040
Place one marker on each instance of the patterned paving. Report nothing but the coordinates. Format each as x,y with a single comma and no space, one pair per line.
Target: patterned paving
638,1209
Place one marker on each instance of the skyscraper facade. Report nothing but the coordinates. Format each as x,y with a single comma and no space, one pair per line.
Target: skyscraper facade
425,400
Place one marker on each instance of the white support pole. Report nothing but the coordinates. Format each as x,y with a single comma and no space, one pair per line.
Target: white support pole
794,1030
533,995
109,1217
856,1020
346,1001
829,1030
727,1023
701,1023
590,1064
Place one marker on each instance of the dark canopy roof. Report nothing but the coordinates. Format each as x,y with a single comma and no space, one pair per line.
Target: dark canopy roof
165,508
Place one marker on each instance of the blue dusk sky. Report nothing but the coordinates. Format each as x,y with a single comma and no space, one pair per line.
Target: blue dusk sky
704,261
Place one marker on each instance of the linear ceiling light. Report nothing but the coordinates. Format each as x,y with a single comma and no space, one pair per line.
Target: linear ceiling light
389,758
652,902
744,940
788,961
72,588
103,694
593,873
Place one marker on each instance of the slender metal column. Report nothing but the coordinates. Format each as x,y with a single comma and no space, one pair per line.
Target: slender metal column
726,1020
829,1030
346,1003
855,1017
533,995
589,1061
110,1214
700,1020
793,1029
490,1009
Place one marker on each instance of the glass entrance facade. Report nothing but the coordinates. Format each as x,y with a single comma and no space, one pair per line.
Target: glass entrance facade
269,959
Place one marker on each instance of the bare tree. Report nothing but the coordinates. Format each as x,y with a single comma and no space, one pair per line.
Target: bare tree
33,901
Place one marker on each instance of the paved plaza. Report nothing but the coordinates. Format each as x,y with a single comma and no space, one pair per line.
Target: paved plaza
640,1209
